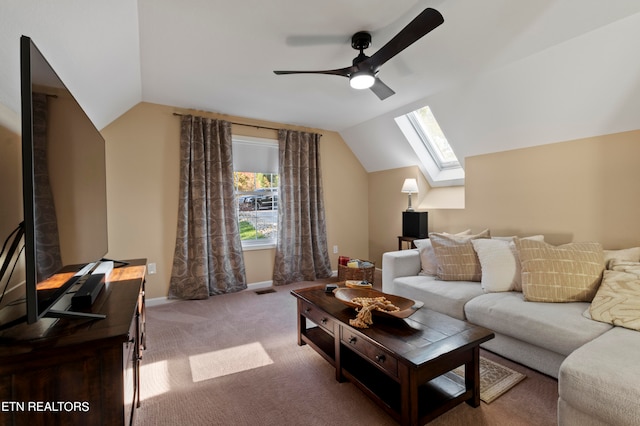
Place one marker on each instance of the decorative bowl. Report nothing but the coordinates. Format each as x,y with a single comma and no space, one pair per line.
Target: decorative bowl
345,295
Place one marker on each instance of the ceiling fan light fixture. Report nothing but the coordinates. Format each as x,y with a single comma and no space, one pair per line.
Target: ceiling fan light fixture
362,80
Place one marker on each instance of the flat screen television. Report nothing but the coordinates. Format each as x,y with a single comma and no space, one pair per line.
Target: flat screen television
64,188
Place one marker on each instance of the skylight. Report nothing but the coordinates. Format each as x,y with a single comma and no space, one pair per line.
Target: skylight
433,138
439,163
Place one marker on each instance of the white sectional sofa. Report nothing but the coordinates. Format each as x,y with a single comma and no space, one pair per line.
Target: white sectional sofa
597,364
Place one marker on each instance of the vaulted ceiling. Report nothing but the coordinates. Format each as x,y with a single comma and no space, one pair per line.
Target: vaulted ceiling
498,74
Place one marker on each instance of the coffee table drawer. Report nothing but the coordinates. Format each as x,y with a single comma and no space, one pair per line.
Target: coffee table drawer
364,347
318,316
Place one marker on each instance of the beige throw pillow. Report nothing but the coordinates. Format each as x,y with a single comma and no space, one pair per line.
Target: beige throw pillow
428,260
617,301
457,260
567,273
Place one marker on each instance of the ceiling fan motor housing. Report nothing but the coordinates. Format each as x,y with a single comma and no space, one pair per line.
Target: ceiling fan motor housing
361,40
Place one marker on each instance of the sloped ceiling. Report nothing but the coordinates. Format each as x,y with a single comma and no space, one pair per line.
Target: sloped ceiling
498,74
92,45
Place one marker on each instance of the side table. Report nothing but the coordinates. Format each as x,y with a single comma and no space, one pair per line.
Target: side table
409,240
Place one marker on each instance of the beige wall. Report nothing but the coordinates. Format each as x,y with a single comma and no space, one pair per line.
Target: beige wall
11,180
11,210
578,190
142,182
386,206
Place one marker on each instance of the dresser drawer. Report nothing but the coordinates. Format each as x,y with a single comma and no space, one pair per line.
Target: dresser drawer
319,317
364,347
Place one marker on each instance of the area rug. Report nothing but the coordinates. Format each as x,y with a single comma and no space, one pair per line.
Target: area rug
495,379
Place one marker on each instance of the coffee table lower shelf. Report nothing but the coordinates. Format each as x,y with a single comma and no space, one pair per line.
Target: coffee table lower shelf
321,342
435,397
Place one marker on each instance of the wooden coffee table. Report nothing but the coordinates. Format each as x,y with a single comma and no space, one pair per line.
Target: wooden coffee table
401,364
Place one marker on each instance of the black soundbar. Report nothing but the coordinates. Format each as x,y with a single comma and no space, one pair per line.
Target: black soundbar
88,292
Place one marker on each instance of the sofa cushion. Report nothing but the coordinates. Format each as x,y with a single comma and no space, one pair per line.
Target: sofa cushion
445,297
567,273
499,263
559,327
617,301
457,260
600,378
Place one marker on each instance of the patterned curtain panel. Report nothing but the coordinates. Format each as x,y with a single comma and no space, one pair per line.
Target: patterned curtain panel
208,256
46,222
301,250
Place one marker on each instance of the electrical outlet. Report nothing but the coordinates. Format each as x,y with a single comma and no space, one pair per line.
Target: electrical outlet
335,249
151,268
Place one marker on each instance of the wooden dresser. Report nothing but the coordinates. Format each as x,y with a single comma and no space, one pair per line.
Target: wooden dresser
78,372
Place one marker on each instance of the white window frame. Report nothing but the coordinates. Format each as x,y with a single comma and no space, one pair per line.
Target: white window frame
433,149
437,171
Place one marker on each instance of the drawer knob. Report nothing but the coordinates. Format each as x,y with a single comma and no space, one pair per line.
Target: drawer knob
352,340
380,358
323,321
307,310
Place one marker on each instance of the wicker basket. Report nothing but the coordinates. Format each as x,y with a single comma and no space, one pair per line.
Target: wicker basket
360,274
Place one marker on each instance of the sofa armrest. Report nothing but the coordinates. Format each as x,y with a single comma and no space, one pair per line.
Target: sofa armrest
402,263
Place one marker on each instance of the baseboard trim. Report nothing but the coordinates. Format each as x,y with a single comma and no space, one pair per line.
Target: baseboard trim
250,287
258,285
156,301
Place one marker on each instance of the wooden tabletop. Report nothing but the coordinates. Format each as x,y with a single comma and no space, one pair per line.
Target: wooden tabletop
117,301
422,337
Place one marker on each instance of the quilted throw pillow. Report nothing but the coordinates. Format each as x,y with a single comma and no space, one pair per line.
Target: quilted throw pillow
567,273
617,301
457,260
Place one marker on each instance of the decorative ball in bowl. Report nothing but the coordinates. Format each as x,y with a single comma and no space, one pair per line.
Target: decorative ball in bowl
347,295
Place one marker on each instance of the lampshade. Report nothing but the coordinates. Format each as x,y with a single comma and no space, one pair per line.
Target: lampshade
410,186
362,80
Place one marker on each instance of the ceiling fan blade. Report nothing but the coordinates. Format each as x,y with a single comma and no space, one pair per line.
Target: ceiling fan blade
345,72
381,90
422,24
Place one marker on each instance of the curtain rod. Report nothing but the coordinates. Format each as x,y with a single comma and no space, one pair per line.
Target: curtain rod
241,124
238,124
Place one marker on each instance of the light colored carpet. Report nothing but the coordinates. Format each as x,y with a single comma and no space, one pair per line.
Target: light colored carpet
233,360
495,379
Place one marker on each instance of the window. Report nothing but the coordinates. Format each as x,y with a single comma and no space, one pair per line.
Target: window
439,163
255,163
427,127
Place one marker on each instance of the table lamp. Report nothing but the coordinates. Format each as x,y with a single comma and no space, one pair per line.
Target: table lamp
410,186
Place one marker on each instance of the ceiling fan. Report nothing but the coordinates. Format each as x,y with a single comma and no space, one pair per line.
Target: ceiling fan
363,74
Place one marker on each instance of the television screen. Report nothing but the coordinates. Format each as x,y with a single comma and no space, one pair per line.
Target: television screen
64,184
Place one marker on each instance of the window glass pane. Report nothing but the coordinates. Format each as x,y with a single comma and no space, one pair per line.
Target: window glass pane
257,201
433,137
